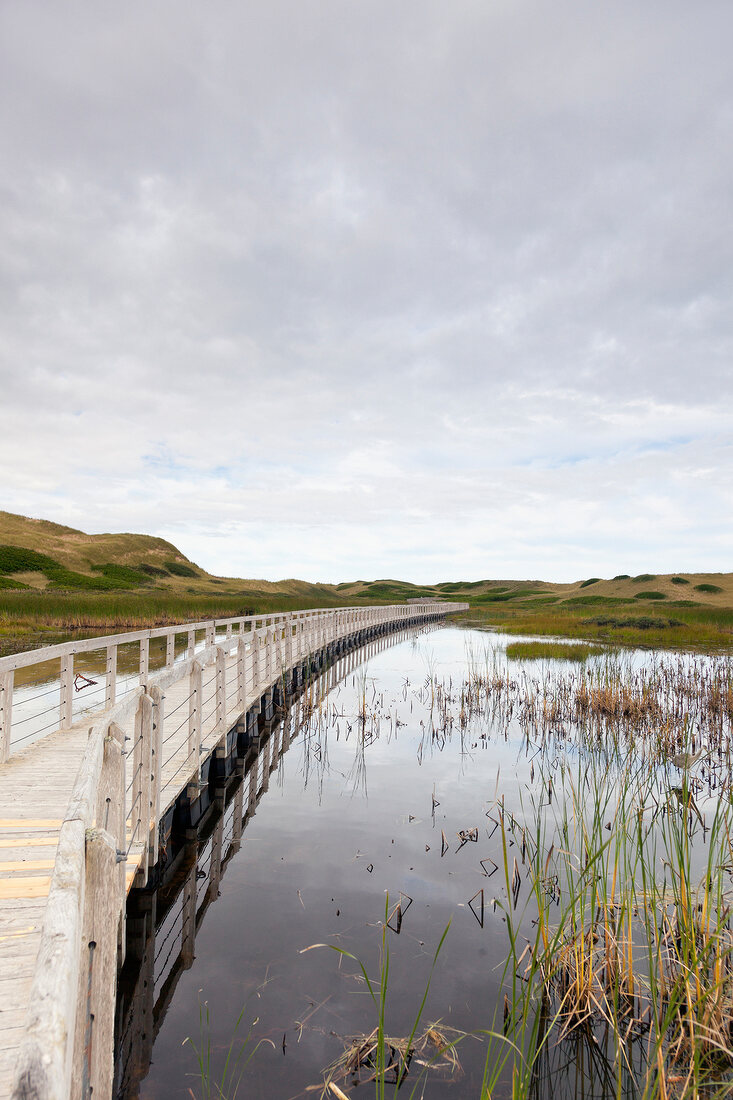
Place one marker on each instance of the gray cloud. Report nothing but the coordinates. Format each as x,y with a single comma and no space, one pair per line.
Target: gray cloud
419,289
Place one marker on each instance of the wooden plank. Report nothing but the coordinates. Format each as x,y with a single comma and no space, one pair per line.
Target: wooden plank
24,887
43,1060
26,865
28,841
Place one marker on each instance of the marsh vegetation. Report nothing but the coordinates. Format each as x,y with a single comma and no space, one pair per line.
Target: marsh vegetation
523,864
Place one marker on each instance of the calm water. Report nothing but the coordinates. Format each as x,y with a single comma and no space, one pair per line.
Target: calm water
357,810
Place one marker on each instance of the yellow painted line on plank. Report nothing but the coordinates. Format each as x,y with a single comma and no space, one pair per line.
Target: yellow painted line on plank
13,888
26,865
29,842
16,823
19,933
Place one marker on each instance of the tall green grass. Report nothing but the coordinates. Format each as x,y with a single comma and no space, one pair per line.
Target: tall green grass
225,1084
377,1052
619,932
554,651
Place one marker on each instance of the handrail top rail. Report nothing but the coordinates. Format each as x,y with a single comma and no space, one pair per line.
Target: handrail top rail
14,661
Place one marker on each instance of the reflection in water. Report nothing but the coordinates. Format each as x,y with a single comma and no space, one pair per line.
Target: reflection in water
524,802
162,923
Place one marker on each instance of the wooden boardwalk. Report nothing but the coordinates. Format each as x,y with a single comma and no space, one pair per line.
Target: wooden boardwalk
36,786
81,811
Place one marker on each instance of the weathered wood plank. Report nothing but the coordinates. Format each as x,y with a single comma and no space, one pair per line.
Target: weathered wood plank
34,887
25,865
28,842
95,1009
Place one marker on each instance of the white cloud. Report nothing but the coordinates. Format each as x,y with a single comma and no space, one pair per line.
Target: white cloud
420,290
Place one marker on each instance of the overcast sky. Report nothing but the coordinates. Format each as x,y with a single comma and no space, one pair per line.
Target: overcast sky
357,288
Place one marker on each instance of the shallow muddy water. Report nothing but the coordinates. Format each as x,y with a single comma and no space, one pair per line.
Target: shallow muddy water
391,796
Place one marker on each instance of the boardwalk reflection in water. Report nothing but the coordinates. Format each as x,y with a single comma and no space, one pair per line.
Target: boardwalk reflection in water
162,922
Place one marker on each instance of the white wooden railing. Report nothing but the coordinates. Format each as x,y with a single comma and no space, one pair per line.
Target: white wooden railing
121,793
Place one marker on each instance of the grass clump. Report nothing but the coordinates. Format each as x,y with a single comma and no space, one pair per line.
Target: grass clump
376,1057
638,622
20,559
17,559
68,580
622,577
152,570
607,601
129,575
242,1048
504,596
679,580
179,569
557,651
623,948
645,577
8,582
460,586
708,588
590,581
650,595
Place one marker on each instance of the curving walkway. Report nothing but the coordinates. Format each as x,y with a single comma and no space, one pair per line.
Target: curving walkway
83,808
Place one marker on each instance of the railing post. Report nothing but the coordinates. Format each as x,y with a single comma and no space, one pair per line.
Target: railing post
268,656
141,784
170,649
191,648
147,773
262,651
255,657
241,682
110,816
211,633
67,691
289,642
144,660
6,713
110,690
194,713
137,765
221,691
158,700
94,1032
119,809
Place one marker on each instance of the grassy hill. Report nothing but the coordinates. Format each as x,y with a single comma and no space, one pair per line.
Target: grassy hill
55,578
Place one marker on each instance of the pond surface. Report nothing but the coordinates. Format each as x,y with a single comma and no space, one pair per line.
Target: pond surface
390,815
